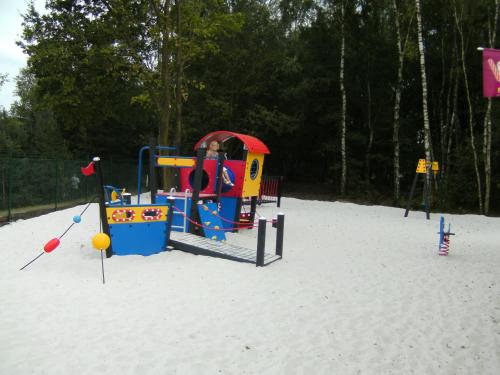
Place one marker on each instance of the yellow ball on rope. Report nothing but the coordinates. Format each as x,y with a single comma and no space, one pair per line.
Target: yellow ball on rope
101,241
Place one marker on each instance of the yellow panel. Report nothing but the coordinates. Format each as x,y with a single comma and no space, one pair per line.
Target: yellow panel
435,166
176,162
134,214
251,185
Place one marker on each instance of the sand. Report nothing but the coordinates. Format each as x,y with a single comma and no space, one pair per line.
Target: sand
360,290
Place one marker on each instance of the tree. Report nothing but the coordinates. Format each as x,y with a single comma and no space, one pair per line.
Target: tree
470,110
401,47
343,124
487,133
423,77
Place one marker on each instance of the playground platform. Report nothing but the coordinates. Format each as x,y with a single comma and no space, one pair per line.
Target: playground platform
197,245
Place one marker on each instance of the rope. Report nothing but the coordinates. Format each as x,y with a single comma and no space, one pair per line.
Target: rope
61,236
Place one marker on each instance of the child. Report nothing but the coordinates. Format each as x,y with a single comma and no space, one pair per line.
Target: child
213,153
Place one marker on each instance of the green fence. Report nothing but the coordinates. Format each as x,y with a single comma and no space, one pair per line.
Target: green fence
32,186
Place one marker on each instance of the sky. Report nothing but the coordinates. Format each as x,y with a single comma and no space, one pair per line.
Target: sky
12,58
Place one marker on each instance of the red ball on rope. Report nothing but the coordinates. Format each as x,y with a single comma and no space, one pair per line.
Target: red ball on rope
51,245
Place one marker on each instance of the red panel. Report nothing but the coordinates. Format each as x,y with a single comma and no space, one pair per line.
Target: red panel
238,169
253,144
209,166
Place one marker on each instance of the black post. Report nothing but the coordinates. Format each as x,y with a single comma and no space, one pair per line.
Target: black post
170,214
152,169
261,242
220,170
280,190
55,185
102,204
426,194
198,174
411,194
9,190
237,214
279,234
253,209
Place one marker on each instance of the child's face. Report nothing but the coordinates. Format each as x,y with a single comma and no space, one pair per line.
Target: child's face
214,146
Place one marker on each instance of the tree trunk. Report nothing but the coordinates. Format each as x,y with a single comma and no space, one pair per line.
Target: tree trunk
370,135
487,124
343,125
165,85
397,101
427,129
470,110
178,83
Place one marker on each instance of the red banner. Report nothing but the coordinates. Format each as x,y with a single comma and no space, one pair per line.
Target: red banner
491,73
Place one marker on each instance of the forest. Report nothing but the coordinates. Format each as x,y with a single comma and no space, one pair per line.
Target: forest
347,94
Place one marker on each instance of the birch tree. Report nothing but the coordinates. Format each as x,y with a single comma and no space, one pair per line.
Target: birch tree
487,119
427,129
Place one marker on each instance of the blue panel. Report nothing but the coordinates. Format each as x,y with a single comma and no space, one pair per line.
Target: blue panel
227,210
138,238
208,219
161,199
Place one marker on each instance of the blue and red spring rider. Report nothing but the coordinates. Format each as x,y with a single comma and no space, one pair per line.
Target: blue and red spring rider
444,238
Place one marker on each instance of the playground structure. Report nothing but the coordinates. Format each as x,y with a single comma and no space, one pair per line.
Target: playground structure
444,238
195,218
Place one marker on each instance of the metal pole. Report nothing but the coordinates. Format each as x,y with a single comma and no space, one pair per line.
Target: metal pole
426,194
279,234
152,169
411,194
261,242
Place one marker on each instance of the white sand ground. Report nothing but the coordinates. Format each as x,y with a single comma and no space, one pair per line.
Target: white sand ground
360,290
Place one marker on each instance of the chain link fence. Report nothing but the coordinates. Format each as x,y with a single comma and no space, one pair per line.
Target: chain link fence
33,186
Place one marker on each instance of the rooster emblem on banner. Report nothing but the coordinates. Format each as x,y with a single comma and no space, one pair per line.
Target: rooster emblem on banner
495,69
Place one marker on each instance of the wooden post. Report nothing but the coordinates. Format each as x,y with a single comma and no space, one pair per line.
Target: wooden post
253,209
261,242
170,214
280,227
280,190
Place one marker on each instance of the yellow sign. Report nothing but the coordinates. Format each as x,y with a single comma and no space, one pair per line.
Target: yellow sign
421,167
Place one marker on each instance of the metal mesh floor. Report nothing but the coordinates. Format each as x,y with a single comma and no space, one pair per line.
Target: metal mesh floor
204,246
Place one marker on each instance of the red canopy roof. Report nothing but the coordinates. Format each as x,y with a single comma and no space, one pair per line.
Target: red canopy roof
253,144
